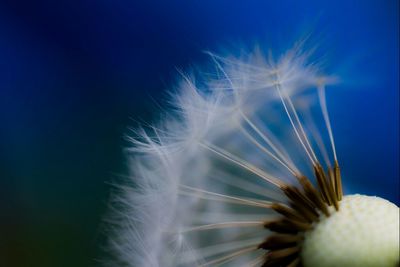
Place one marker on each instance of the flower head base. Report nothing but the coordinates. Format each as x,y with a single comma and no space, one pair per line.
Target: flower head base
364,233
234,176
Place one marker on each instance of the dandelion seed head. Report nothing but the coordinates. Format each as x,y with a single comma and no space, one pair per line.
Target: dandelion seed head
241,173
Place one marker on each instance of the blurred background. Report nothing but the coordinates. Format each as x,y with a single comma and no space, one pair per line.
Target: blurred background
74,75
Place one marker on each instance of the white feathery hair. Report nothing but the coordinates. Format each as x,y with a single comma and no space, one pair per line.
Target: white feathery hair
202,180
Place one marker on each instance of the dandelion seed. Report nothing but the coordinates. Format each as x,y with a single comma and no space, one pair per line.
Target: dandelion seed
240,175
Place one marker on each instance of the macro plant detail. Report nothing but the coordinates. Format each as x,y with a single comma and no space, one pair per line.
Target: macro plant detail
238,174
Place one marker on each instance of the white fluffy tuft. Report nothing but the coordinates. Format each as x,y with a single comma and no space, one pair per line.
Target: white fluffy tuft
201,179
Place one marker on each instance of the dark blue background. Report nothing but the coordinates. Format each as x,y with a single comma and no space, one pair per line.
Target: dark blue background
74,73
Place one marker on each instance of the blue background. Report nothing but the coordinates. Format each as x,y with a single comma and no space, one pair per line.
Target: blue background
75,74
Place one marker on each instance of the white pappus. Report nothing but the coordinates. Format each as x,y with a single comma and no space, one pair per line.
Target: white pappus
241,173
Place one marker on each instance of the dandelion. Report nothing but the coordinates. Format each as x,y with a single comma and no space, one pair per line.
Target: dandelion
239,174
